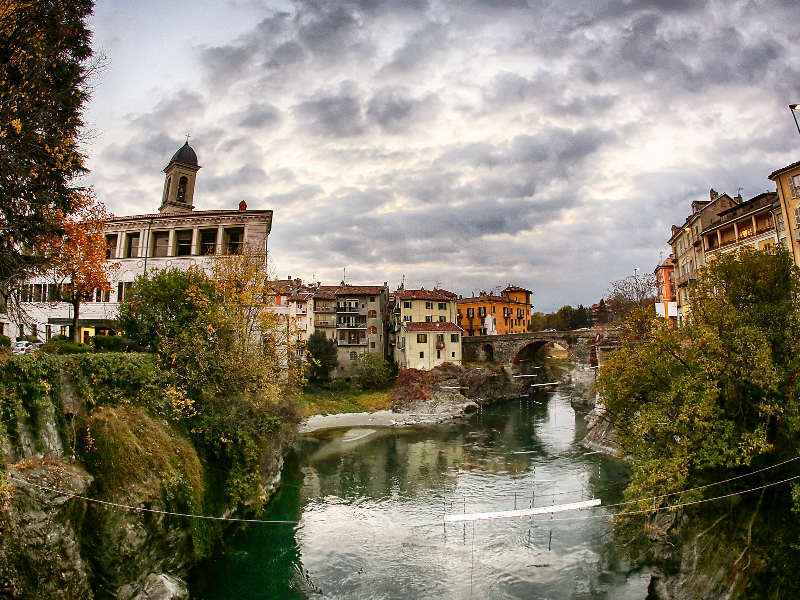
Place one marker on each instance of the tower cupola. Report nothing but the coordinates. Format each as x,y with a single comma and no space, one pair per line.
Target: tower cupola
179,181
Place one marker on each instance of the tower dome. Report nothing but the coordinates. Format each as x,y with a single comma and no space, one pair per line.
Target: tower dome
185,155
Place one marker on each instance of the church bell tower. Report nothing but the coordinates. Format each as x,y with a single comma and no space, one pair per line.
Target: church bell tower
179,181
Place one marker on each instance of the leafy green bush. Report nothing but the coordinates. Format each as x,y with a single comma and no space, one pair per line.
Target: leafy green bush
108,379
5,341
373,371
114,343
26,383
64,346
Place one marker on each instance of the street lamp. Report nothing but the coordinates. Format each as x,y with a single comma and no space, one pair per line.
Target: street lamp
795,108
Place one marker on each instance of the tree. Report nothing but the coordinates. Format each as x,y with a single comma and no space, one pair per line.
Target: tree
157,307
630,293
321,355
44,49
373,371
538,321
581,318
564,317
691,404
226,354
77,259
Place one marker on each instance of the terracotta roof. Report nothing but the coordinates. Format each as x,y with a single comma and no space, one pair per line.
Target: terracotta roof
425,295
516,288
777,172
301,296
435,326
326,292
360,290
490,298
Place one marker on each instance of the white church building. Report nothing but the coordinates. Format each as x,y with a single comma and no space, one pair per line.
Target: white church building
177,236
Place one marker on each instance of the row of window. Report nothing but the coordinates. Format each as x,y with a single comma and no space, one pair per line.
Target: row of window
428,305
233,241
438,354
507,312
48,292
428,318
422,338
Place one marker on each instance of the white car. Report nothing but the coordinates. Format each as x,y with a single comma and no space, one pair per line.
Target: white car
20,347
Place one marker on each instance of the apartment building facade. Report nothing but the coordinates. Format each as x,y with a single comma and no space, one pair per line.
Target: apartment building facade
750,223
787,182
489,314
425,345
687,245
361,323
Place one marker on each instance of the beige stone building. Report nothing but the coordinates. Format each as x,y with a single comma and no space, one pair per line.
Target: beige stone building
427,345
177,236
687,244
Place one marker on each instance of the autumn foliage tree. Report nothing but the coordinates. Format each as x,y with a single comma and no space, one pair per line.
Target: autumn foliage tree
44,49
77,262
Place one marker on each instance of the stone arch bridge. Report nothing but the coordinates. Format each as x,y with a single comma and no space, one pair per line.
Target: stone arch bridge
510,348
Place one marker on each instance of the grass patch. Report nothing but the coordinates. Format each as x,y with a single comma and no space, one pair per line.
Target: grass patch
322,402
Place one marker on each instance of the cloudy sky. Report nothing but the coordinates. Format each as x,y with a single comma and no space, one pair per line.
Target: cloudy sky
469,143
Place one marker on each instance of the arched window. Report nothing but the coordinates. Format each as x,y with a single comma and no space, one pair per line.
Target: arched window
182,189
372,314
373,329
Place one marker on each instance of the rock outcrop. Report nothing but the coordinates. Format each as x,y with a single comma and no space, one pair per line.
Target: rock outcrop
451,390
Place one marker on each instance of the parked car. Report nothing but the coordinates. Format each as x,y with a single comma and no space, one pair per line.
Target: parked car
20,347
34,347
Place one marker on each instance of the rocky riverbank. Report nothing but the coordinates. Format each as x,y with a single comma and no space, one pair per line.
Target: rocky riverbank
135,465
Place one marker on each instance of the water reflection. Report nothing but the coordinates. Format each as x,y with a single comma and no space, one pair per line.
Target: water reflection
370,505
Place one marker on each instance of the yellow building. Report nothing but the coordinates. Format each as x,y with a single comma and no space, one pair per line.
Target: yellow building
425,306
487,314
428,344
787,181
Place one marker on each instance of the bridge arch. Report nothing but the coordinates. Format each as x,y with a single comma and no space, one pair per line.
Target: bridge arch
486,352
530,346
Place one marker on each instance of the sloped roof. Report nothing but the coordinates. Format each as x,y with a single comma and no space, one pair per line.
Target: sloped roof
435,326
360,290
425,295
777,172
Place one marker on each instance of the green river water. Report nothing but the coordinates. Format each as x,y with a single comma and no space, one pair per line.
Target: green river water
370,506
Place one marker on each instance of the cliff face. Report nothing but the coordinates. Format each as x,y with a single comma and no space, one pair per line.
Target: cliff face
57,546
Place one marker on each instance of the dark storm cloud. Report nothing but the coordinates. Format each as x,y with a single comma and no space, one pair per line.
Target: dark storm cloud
246,176
422,48
258,116
338,114
394,109
182,106
145,154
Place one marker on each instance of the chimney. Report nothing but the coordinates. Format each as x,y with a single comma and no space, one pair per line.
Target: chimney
242,205
713,194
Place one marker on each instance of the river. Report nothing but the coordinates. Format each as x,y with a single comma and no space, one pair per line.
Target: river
370,506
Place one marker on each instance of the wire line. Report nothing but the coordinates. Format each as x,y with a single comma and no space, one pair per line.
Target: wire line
141,508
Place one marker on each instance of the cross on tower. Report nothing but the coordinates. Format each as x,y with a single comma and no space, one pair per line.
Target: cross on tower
187,137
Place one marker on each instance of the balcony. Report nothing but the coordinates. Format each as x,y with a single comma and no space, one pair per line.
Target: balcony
351,325
765,229
351,343
347,308
325,310
324,324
